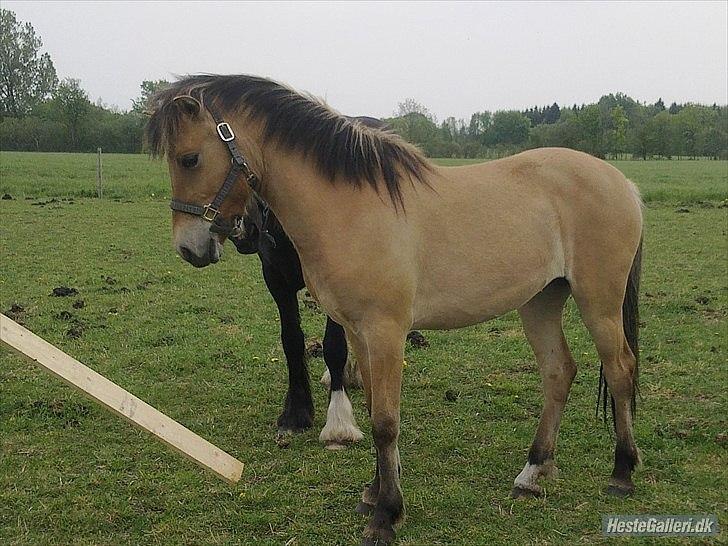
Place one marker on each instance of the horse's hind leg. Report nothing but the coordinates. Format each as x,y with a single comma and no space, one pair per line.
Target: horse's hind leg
340,428
601,310
541,318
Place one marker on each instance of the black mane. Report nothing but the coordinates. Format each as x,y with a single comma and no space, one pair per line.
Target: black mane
340,147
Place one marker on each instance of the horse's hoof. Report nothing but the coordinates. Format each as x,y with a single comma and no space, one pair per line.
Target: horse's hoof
339,438
619,490
382,536
295,421
533,491
363,508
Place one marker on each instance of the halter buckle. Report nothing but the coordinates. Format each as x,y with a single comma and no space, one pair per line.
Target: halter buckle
210,213
225,132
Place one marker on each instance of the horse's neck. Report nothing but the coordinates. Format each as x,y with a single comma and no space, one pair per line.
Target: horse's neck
298,198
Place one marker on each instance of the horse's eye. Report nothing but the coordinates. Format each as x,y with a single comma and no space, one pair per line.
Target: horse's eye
189,161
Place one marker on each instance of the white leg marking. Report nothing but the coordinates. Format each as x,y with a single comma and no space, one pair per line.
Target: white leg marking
530,474
528,477
340,426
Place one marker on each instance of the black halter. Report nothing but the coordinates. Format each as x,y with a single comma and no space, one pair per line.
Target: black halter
211,211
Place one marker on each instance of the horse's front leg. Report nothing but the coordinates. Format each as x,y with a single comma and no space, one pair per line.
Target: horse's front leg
380,354
340,426
298,408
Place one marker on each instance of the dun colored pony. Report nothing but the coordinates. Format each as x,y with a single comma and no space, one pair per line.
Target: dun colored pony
389,242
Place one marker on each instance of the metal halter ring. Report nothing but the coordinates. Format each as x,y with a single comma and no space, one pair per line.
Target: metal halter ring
225,132
210,213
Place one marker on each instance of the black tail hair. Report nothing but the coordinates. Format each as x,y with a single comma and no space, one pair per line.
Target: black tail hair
630,322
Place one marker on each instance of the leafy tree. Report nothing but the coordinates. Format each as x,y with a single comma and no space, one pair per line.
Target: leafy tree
479,124
411,106
26,77
660,135
620,121
415,127
534,115
589,121
715,142
509,127
551,114
140,105
72,107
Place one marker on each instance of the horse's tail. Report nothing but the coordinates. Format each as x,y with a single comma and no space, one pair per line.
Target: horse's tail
630,323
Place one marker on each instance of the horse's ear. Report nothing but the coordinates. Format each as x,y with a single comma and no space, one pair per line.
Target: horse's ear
188,105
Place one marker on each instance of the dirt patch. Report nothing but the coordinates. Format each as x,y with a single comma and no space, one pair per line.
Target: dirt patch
314,349
79,304
451,396
166,341
110,290
54,201
682,210
7,197
63,291
63,315
311,303
59,412
109,280
76,329
16,313
417,340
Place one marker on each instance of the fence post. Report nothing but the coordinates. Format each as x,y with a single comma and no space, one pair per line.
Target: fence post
99,174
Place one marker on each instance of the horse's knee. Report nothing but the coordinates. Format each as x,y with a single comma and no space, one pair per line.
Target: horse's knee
385,430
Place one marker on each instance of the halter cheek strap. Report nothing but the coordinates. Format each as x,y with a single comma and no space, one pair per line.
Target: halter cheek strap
211,211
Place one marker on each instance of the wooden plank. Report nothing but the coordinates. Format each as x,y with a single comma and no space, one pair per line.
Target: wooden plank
119,401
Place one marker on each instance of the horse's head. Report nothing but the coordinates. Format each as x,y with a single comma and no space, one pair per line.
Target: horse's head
209,176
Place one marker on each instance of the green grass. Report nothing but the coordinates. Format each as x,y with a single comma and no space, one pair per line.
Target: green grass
126,176
208,355
24,174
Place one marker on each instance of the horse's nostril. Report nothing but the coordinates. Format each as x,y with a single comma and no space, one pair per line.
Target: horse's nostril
186,253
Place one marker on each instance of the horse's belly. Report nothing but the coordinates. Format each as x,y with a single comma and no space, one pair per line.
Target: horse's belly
456,309
487,281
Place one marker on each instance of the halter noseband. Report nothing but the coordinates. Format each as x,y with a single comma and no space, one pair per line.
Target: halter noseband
238,166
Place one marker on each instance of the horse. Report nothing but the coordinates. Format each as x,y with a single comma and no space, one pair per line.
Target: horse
263,235
389,241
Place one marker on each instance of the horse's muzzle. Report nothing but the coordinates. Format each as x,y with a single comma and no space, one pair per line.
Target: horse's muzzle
211,255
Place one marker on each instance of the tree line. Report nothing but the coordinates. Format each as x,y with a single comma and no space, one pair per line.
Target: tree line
39,113
617,126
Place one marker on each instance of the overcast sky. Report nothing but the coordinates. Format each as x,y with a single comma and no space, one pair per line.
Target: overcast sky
364,58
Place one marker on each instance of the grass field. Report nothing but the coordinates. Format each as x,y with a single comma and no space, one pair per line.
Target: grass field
139,177
209,356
